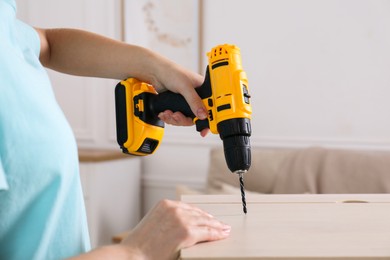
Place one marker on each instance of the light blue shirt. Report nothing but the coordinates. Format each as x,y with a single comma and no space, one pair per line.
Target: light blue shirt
42,213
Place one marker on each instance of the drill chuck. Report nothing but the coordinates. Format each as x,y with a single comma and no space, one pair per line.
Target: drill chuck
235,135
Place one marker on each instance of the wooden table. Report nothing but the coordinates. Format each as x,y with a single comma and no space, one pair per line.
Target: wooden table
101,155
297,227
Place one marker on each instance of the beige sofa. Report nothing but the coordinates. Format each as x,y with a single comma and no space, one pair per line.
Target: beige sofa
305,170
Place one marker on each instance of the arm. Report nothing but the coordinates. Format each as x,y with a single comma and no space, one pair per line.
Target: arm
167,228
83,53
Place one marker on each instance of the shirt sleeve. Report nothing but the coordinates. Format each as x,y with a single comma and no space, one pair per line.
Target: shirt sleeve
3,179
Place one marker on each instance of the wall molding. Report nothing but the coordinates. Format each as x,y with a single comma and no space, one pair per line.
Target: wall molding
363,144
283,142
161,181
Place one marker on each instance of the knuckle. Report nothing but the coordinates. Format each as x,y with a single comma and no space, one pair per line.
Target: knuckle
186,233
165,203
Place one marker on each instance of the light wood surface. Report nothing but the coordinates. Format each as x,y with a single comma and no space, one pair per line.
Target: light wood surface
102,155
297,227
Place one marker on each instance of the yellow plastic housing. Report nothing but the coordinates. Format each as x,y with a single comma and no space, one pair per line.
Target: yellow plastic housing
229,83
138,130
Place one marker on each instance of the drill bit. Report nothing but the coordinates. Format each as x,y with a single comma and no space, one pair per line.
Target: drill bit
240,174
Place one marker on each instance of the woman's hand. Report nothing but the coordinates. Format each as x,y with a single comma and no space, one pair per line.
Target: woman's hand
171,226
170,76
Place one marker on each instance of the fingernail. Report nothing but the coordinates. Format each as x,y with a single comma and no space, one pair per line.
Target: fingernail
226,228
227,231
201,113
211,216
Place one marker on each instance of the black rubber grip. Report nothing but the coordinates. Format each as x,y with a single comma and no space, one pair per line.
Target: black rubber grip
169,101
176,103
121,115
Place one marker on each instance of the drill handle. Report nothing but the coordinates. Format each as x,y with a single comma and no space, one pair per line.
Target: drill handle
168,100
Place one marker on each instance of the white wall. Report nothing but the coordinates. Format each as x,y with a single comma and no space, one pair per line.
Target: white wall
319,71
88,103
319,74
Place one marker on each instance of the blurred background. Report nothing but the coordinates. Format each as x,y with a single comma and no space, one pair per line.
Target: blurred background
318,71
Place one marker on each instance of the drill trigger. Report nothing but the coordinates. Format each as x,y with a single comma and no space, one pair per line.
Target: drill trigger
202,124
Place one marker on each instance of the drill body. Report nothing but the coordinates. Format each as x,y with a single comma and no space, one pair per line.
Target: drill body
224,93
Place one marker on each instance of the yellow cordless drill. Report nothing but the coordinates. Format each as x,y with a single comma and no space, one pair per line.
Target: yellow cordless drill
224,93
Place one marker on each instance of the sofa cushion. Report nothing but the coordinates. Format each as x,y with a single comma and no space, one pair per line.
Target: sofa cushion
306,170
320,170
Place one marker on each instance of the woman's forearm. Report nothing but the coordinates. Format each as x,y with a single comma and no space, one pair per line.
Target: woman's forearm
83,53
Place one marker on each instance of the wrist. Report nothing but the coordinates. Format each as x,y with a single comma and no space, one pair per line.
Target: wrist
118,252
159,68
146,65
121,251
